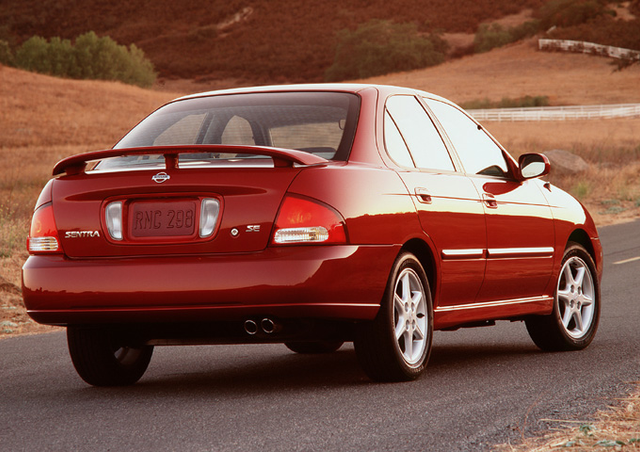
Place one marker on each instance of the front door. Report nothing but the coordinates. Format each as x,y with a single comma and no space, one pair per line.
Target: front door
520,229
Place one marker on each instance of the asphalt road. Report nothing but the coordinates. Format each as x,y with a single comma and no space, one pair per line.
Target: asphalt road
483,387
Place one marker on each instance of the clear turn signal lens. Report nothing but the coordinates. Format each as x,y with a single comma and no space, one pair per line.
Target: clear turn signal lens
209,209
294,235
113,217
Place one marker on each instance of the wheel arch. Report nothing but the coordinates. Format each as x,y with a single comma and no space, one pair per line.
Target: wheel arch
582,238
425,256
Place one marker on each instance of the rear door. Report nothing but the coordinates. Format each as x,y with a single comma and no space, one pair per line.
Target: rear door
520,230
448,204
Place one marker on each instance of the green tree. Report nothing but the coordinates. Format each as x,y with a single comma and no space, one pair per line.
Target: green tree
91,57
33,55
6,56
380,47
491,36
61,58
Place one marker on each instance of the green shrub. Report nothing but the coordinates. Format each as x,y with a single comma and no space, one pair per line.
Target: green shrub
91,57
6,57
506,102
495,35
490,36
32,55
379,47
61,57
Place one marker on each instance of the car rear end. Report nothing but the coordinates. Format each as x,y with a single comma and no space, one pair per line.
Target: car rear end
190,221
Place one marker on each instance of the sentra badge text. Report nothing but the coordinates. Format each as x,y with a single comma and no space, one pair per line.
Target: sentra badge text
81,234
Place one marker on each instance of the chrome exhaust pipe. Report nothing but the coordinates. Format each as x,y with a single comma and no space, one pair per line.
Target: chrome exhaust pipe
269,326
251,327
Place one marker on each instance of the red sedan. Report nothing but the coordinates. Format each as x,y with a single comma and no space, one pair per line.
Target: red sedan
311,216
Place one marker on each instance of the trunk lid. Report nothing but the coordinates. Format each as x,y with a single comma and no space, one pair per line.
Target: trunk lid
159,205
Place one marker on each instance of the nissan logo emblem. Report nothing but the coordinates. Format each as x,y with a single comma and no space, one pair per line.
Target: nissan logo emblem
160,178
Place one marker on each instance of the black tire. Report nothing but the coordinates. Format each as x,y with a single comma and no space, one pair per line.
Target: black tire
314,347
102,358
384,354
577,305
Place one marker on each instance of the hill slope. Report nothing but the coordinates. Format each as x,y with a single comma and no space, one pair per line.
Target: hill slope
256,40
520,70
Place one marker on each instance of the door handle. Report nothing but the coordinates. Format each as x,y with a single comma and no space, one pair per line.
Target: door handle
490,200
423,195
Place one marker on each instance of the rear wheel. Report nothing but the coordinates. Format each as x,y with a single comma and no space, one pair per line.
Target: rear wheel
314,347
396,345
103,358
577,306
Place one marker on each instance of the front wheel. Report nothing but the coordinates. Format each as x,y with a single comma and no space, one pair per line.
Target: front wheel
103,358
577,306
396,345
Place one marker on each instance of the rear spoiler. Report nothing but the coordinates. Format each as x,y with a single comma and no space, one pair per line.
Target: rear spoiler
76,164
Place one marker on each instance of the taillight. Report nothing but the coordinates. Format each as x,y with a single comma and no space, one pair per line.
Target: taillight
304,221
43,236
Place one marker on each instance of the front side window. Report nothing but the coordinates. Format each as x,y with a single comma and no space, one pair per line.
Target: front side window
477,151
419,134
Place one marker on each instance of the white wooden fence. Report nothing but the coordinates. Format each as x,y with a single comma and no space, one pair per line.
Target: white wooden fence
557,113
588,47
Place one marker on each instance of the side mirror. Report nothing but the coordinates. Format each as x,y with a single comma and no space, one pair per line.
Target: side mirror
533,165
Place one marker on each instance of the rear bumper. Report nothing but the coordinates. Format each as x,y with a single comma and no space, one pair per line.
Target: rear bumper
333,282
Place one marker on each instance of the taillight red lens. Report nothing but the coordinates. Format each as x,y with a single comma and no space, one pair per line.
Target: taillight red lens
43,236
304,221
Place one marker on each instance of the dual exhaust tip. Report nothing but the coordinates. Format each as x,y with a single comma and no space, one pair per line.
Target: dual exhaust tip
267,326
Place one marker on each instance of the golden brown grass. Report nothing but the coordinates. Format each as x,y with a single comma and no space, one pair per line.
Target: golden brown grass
43,119
610,187
615,429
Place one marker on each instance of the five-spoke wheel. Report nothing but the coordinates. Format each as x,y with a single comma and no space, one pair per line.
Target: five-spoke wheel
410,316
575,317
396,345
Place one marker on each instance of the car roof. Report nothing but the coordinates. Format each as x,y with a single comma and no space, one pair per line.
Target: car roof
384,90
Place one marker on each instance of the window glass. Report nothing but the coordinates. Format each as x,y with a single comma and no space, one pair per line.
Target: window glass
477,151
323,123
395,145
184,131
238,131
322,138
420,134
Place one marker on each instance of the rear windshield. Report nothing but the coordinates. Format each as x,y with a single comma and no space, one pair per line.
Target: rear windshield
321,123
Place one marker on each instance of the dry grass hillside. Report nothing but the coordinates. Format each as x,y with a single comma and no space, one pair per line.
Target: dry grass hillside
43,119
519,70
258,40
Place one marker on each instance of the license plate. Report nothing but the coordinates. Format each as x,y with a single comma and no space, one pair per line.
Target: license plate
162,218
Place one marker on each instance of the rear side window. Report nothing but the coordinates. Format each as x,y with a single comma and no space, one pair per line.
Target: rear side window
477,151
419,134
395,145
321,123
